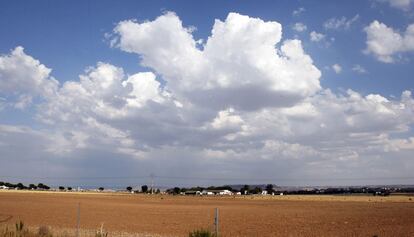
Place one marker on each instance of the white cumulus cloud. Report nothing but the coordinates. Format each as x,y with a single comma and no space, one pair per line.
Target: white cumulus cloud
385,43
238,58
23,77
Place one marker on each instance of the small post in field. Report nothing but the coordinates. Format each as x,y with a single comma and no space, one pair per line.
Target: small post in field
78,221
216,222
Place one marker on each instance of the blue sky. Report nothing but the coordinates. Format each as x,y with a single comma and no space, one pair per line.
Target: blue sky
357,65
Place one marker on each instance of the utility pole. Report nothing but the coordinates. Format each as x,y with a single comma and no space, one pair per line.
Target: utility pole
152,183
216,222
78,221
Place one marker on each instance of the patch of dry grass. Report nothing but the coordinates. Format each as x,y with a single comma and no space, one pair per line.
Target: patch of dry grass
20,230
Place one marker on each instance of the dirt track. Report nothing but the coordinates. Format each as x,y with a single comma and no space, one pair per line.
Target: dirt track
176,216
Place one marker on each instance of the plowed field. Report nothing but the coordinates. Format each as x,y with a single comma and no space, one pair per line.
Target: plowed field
239,216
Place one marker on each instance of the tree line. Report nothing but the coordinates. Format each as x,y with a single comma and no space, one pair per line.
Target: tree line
144,189
245,190
21,186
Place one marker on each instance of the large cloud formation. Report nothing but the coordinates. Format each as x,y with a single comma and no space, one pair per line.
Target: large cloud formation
243,56
23,77
244,104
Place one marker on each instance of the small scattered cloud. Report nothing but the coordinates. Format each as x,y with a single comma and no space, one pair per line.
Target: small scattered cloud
298,11
359,69
385,43
404,5
337,68
316,37
299,27
342,23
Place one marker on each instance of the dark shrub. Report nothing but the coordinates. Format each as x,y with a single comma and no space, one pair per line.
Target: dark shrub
201,233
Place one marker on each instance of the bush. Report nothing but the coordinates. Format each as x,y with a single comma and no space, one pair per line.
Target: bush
19,226
101,232
20,230
201,233
44,231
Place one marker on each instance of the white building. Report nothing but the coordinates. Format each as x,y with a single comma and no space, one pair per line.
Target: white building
190,192
217,192
207,192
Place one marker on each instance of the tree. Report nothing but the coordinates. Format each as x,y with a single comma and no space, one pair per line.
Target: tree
269,189
32,187
245,189
176,190
69,188
20,186
101,189
61,188
144,188
257,190
198,188
42,186
129,188
7,184
158,191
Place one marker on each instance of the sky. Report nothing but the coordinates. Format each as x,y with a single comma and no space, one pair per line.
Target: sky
108,93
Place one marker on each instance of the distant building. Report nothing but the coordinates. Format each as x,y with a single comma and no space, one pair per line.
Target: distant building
217,192
207,192
4,187
192,192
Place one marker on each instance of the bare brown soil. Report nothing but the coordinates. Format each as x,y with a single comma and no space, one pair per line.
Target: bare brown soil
239,216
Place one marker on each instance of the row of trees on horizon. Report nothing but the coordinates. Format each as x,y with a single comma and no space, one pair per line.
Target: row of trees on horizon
245,189
144,189
22,186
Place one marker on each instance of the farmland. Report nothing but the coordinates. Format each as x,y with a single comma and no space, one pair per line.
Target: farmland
239,216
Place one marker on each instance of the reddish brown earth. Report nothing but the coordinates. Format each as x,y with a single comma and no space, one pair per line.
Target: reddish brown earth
177,215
